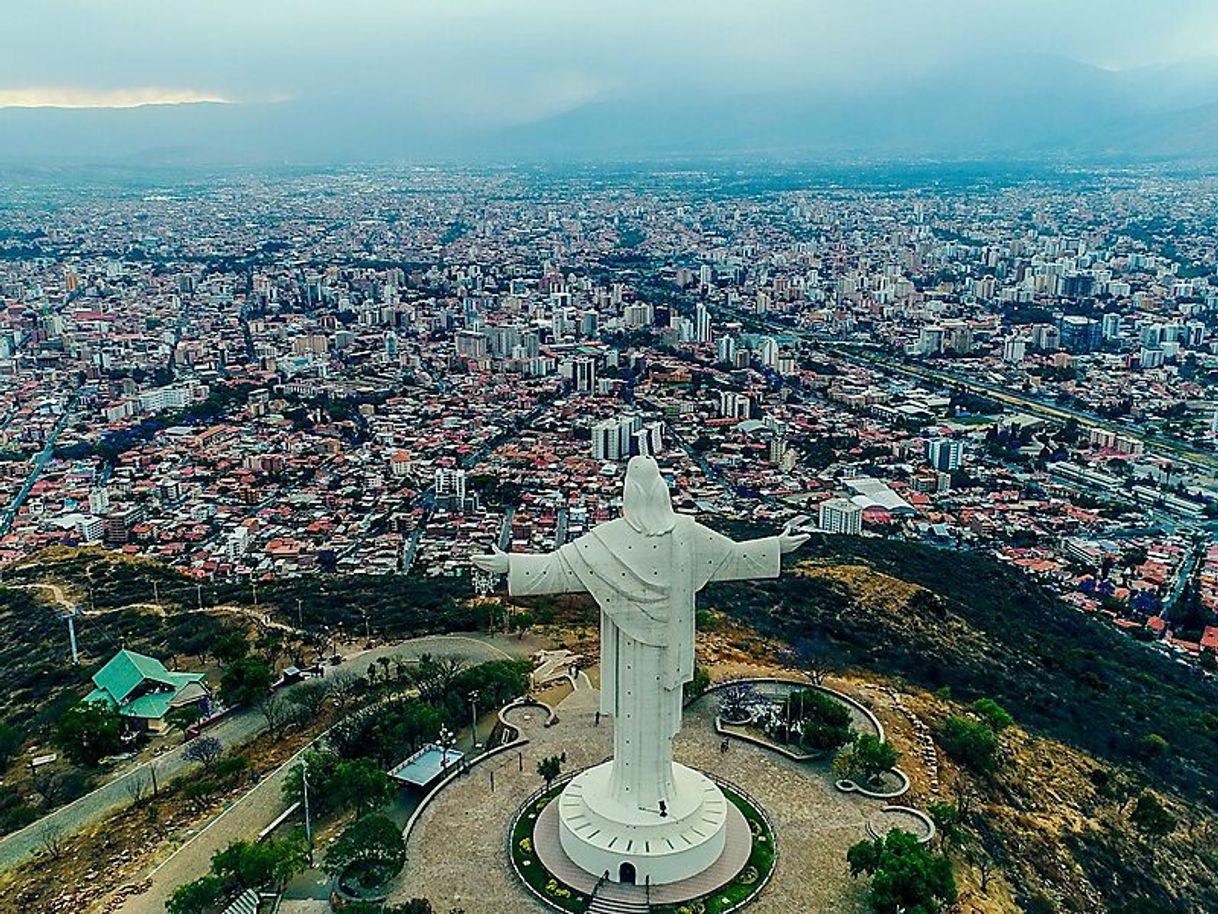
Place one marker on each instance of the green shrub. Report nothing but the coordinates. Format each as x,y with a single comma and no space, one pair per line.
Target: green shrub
971,743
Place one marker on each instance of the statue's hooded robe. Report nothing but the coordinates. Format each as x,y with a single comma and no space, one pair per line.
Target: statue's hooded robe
644,570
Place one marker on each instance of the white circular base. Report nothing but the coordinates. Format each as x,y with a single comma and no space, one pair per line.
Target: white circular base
635,845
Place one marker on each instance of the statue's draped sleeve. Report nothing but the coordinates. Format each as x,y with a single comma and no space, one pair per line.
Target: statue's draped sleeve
547,572
718,558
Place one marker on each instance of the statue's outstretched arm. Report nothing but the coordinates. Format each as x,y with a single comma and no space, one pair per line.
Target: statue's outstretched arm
749,560
532,573
759,558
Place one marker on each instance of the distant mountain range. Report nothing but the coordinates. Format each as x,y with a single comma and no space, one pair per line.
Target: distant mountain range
1017,107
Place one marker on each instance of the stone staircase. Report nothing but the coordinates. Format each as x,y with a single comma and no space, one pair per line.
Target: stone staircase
246,903
612,898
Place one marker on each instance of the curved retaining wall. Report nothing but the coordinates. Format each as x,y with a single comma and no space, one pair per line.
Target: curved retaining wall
767,744
490,753
532,798
845,785
760,809
803,684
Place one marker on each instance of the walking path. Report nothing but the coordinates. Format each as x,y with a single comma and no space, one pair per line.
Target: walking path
233,732
814,824
262,804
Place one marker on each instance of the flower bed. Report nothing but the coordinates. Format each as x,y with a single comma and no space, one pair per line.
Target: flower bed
530,869
749,882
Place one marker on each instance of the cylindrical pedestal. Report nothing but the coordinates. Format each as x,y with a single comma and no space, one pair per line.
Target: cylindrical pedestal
642,846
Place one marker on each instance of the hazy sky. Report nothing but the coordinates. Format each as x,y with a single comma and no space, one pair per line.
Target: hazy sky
515,60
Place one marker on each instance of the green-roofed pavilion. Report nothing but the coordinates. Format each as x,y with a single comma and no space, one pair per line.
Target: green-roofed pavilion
143,690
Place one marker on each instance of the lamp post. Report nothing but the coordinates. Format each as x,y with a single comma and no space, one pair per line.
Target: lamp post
473,718
446,740
304,779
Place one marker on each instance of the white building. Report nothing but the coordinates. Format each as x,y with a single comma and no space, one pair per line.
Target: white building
450,483
841,515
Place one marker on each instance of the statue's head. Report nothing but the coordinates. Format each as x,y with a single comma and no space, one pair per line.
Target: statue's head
646,502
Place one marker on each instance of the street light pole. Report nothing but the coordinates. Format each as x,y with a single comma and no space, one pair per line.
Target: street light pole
304,778
473,718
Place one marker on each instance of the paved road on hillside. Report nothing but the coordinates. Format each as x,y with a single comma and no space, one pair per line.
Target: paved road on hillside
233,731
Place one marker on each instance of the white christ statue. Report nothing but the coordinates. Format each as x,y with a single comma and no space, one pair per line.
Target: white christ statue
643,570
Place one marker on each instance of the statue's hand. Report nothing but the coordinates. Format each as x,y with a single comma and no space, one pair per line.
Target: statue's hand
789,540
498,562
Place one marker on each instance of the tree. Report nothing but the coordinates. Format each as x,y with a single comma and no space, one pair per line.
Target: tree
867,757
336,783
229,767
52,838
947,822
994,714
970,743
823,723
252,865
521,621
905,876
736,701
197,792
815,656
196,897
278,712
206,750
184,717
370,850
1151,818
698,684
1152,746
342,688
361,785
88,732
550,768
10,743
309,698
245,681
231,647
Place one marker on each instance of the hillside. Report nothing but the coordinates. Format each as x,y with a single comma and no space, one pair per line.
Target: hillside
1051,830
963,626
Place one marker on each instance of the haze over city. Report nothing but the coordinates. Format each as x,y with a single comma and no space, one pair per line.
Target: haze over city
642,458
324,82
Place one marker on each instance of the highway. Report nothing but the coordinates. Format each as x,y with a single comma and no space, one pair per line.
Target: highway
1167,447
1163,446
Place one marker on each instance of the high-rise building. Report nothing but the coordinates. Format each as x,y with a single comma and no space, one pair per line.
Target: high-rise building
583,374
450,482
471,345
649,440
734,405
702,323
944,454
841,515
779,449
1014,350
1079,334
930,340
606,440
768,352
725,349
589,324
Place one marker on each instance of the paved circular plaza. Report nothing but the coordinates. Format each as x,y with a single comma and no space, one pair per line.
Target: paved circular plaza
457,855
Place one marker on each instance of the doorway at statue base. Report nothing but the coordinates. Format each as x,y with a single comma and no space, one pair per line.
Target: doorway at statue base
637,846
